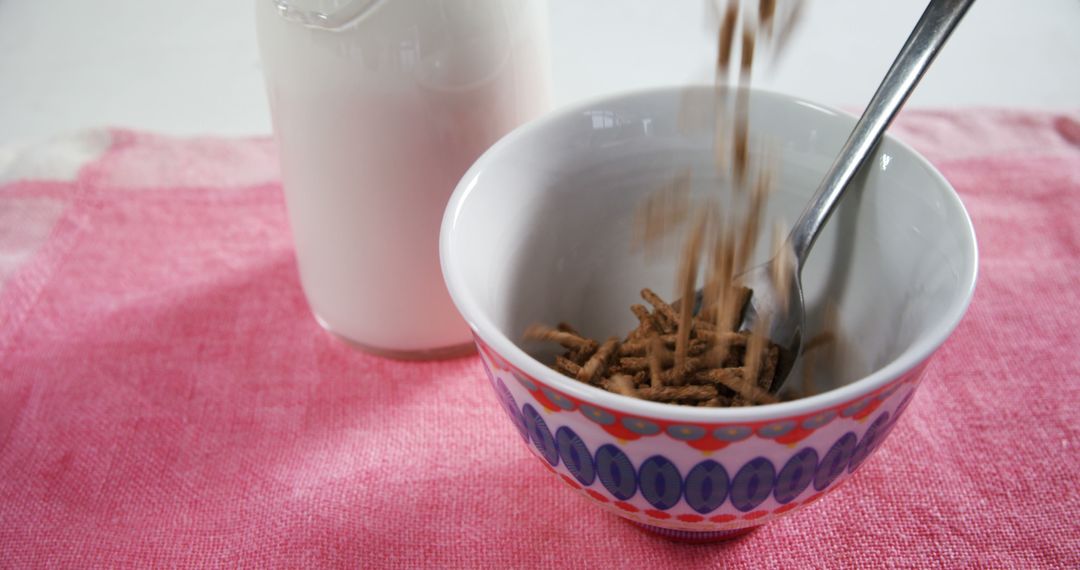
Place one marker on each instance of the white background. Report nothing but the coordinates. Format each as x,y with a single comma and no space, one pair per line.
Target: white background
191,66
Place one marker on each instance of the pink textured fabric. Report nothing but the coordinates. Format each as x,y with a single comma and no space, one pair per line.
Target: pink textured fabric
166,399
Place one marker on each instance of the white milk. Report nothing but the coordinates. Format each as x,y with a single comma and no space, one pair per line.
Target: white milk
379,107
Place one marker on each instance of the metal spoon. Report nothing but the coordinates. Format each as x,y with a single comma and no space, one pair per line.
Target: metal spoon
785,320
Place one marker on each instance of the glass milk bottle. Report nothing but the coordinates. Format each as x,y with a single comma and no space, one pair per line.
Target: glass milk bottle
379,107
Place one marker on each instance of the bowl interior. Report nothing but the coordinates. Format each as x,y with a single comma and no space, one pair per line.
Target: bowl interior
540,229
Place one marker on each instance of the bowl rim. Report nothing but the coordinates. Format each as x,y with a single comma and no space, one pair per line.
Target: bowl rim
486,330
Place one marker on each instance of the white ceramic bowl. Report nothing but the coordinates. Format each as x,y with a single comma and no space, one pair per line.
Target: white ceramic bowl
537,231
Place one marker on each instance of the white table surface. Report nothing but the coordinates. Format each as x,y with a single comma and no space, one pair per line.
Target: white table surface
191,66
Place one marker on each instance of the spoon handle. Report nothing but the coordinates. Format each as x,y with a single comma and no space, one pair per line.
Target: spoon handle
934,27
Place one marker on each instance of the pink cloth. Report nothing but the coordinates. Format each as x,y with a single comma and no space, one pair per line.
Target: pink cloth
167,400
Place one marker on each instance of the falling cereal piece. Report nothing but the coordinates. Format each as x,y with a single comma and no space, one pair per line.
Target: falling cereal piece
687,281
726,41
747,61
766,13
736,301
718,295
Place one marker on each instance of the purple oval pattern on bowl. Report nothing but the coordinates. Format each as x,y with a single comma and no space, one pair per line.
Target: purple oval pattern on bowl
767,469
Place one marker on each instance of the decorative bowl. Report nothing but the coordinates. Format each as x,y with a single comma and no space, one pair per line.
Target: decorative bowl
539,228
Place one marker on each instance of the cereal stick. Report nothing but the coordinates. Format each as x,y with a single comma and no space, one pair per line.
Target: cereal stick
641,346
768,370
565,327
726,40
567,339
648,323
580,355
710,294
723,298
635,347
741,158
656,357
596,364
687,281
724,273
700,325
721,134
673,393
747,63
567,366
727,337
676,375
719,279
766,12
737,380
741,162
621,384
664,313
636,363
